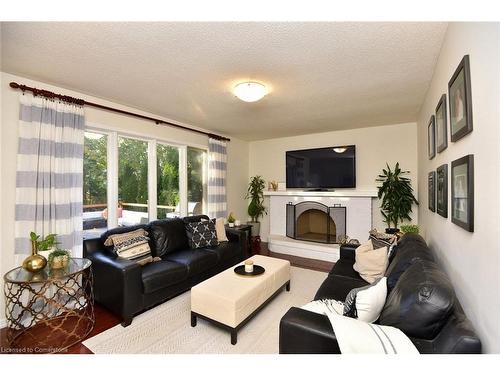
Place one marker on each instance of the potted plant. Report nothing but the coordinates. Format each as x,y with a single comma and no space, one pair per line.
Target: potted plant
397,197
409,228
256,207
231,220
58,259
40,250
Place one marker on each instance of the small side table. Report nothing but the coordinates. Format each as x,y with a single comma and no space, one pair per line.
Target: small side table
248,229
50,310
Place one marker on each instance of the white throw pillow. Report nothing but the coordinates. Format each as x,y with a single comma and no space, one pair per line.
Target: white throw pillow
371,264
366,303
220,229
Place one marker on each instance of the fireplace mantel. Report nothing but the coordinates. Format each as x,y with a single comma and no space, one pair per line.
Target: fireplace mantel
337,193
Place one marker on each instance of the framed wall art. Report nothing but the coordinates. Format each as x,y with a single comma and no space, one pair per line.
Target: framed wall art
441,125
462,192
431,138
431,195
460,101
442,190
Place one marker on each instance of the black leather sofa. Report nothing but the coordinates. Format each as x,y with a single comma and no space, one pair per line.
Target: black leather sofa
126,288
420,301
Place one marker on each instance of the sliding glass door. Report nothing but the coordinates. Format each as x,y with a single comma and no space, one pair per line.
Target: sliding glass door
167,184
196,181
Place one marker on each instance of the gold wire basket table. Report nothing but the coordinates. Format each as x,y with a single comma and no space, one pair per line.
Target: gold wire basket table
50,310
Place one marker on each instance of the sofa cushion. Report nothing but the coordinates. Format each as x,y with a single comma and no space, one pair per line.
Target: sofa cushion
225,250
421,301
202,234
159,275
338,287
366,303
196,261
131,245
371,263
167,236
120,230
407,253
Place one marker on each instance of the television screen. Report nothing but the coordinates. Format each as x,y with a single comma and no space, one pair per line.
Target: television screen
321,168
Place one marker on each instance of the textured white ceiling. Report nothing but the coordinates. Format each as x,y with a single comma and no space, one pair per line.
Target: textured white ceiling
322,76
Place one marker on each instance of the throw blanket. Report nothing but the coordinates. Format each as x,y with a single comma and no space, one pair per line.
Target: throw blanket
356,336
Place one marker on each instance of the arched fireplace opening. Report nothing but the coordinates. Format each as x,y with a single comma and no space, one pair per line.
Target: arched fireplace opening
313,221
315,225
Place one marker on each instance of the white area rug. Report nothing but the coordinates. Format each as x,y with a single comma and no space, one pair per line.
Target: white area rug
167,328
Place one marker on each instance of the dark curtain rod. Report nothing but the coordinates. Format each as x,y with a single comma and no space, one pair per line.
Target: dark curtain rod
69,99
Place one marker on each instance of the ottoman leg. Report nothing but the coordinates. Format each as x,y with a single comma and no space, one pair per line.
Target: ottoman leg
234,337
288,286
193,319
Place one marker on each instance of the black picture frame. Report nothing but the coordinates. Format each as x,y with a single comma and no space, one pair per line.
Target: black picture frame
431,195
460,101
441,125
431,138
462,192
442,190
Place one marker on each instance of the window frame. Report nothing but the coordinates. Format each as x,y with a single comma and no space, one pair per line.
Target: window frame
113,134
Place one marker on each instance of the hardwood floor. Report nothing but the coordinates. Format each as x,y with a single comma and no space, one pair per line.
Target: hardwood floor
105,319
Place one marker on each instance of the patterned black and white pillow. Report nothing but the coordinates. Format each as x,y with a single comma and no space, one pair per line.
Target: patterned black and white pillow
366,303
202,234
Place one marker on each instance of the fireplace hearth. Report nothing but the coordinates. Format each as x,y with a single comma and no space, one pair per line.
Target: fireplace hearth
315,222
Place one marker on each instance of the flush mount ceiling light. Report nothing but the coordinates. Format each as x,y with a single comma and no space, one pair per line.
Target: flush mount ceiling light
340,150
250,91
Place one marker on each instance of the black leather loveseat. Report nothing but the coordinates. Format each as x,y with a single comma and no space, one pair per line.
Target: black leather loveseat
126,288
420,301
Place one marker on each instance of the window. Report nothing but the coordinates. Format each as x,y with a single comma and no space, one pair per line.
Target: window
95,161
129,181
167,181
196,181
132,181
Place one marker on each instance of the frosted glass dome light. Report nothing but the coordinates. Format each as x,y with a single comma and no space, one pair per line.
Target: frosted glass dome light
250,91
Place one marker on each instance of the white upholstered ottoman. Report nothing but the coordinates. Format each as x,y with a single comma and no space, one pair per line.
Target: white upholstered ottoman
230,300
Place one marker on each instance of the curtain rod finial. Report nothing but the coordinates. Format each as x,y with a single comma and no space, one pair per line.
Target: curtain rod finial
14,85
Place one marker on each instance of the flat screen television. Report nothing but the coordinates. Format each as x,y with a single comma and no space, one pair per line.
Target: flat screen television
321,168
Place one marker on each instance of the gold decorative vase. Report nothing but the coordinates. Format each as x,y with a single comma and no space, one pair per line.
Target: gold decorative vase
35,262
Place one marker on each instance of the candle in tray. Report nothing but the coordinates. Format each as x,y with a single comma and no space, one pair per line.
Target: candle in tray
248,266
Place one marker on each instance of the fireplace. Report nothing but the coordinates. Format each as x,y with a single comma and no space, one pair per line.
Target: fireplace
315,222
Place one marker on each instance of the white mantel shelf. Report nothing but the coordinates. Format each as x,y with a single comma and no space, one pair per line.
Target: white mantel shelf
347,193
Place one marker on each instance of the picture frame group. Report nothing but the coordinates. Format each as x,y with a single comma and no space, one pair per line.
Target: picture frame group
459,103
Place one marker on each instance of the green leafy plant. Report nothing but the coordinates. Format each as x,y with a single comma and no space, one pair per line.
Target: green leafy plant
44,244
255,193
57,253
410,228
397,196
231,218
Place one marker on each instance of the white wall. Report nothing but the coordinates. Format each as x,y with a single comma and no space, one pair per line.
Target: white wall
472,260
237,170
375,146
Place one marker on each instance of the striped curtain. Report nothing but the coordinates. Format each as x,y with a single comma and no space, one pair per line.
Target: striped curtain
217,165
49,172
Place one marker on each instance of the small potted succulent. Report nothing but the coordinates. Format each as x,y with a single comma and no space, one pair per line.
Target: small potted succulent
231,220
58,259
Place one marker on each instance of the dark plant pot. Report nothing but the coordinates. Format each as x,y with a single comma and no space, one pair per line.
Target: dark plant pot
391,230
255,228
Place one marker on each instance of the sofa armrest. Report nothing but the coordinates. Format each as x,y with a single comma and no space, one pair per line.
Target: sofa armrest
117,284
348,252
305,332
